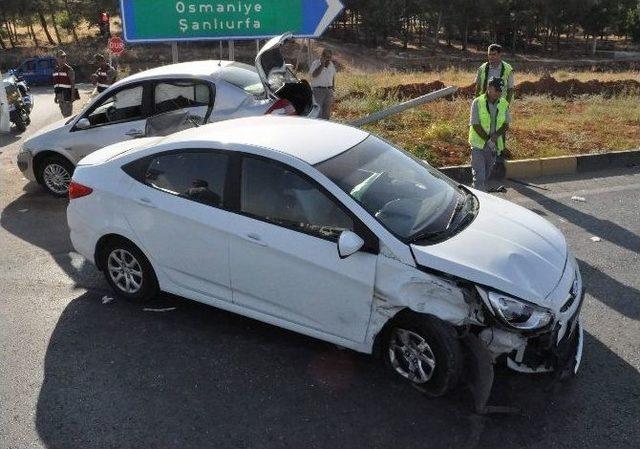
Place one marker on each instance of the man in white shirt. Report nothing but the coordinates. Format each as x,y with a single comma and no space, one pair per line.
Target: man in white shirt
323,78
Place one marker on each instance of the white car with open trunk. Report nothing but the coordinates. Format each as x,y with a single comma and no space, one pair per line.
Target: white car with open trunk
159,101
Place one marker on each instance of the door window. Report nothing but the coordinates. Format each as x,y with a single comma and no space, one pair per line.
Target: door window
123,106
171,96
30,66
195,175
44,65
276,194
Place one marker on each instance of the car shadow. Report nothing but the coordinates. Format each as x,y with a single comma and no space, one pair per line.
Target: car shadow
41,220
606,229
626,300
116,375
7,139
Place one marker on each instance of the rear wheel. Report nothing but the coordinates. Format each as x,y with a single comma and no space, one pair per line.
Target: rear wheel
128,271
426,352
55,173
21,125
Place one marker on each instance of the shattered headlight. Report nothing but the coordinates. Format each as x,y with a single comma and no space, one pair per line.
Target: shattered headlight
517,313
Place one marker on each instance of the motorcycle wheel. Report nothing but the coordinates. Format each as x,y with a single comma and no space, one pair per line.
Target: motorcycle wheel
21,126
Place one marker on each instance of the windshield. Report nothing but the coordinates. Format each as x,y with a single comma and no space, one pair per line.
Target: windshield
243,76
407,196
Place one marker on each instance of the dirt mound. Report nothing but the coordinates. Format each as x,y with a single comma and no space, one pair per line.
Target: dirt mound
407,91
573,87
547,85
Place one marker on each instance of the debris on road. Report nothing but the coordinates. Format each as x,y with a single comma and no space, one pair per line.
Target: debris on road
165,309
106,299
579,199
595,239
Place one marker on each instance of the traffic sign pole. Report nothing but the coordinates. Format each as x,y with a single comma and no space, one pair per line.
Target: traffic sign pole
174,52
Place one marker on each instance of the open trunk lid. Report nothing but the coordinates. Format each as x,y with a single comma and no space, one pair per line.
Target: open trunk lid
270,63
278,79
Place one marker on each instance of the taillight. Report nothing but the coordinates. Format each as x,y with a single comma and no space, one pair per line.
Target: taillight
78,190
281,107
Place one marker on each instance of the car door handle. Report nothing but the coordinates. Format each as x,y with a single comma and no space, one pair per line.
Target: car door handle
255,238
146,202
134,133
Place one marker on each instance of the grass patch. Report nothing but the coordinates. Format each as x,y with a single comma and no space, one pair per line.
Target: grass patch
542,126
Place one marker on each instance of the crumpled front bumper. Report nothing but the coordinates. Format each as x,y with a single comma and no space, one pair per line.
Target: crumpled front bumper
558,350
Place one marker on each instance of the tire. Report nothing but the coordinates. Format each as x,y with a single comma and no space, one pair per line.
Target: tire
55,174
21,126
433,359
128,271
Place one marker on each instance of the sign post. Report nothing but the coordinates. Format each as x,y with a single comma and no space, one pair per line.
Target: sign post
174,52
192,20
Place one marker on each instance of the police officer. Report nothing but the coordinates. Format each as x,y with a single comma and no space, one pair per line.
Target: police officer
64,84
105,76
488,124
495,68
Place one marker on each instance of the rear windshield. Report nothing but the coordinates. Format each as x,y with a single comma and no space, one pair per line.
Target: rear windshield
243,76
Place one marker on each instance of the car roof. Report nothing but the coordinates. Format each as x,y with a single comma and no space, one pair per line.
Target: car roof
309,140
186,69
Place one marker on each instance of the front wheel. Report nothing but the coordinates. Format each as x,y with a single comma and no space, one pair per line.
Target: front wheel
55,174
426,352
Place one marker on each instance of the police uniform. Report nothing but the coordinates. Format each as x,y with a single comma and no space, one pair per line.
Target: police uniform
63,85
105,77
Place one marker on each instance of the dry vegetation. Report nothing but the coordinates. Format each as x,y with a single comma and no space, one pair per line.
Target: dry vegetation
542,126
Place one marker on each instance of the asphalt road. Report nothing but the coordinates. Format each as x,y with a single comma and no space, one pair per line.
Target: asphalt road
77,373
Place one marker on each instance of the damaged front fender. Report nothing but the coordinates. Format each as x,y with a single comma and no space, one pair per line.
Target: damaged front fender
397,288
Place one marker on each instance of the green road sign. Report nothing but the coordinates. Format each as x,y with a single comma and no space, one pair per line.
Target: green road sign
174,20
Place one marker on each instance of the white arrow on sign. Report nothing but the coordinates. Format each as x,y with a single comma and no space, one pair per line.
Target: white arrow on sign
333,9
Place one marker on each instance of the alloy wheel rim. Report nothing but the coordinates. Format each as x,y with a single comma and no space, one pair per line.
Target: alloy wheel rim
56,178
411,356
125,271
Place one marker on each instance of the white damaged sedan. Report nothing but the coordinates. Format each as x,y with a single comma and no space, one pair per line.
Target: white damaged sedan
329,231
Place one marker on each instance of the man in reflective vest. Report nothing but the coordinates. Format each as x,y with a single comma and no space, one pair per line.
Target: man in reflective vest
105,76
488,124
64,84
495,68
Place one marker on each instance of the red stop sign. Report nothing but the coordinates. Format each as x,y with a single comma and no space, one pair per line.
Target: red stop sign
116,45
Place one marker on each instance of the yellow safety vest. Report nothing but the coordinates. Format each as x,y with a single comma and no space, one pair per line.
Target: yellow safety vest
483,72
482,104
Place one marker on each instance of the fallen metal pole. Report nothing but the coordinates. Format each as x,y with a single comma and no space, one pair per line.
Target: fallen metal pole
395,109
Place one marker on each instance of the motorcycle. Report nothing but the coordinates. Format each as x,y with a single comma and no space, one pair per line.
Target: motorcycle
18,110
19,81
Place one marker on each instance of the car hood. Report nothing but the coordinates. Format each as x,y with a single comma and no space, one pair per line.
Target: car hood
45,138
506,247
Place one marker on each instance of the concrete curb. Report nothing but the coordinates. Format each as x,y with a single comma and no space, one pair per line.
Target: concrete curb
561,165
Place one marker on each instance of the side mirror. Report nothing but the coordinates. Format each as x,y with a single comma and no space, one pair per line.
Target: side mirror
83,123
349,243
